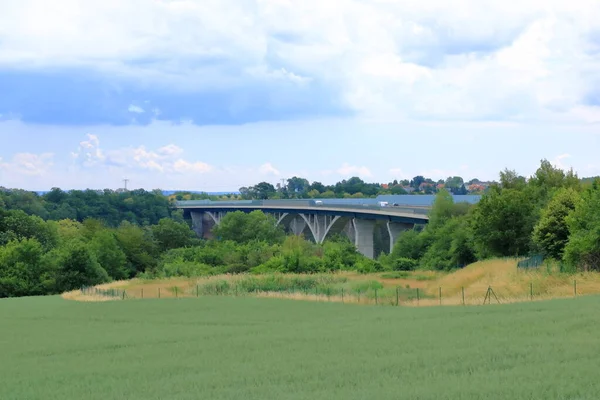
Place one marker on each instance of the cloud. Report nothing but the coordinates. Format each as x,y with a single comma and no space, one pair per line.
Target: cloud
135,109
89,152
269,169
559,161
28,164
348,170
165,159
273,60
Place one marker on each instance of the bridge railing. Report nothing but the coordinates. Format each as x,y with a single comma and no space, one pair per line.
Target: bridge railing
302,203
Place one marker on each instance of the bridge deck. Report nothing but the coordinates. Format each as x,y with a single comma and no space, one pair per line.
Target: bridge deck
408,214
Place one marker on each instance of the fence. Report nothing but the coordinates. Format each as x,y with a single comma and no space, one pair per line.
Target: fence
398,296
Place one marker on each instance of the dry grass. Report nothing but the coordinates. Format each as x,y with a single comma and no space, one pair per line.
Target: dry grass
509,284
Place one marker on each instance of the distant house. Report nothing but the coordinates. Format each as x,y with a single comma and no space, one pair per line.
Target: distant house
408,189
476,187
440,186
385,186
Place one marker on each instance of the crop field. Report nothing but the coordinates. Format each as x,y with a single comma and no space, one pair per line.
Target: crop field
221,347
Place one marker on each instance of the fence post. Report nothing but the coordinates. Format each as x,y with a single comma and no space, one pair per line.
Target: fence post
159,293
397,296
418,296
176,293
123,295
463,295
142,293
575,287
531,290
342,295
359,297
376,300
236,290
440,295
197,290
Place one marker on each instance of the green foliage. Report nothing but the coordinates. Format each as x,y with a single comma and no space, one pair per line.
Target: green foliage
242,227
551,233
404,264
109,254
502,223
138,245
170,234
24,269
583,247
77,267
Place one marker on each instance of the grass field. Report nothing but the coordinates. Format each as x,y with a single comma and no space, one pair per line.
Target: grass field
253,348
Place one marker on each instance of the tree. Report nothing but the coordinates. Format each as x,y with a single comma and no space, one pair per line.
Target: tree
583,248
17,225
441,211
109,254
397,189
417,181
551,233
509,179
24,271
297,186
241,227
139,246
170,234
77,266
502,223
263,190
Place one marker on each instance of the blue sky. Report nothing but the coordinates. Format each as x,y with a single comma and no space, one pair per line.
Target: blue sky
217,94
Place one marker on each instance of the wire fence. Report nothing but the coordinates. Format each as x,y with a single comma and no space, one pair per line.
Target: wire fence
389,296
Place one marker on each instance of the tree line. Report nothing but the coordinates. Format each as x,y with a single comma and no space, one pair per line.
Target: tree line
106,235
553,214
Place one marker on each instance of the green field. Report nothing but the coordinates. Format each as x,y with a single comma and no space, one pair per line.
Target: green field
250,348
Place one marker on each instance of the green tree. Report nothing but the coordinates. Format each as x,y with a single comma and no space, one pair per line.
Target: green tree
170,234
551,233
583,248
502,223
24,271
139,246
109,254
77,267
243,227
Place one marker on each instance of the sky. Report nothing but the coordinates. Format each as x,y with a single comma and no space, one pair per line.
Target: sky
217,94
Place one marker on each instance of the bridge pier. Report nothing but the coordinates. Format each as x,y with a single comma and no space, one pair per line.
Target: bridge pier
198,222
297,225
363,236
395,229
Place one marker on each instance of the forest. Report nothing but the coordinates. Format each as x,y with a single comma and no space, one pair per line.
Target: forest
64,240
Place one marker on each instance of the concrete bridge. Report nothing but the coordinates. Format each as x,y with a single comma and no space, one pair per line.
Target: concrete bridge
316,219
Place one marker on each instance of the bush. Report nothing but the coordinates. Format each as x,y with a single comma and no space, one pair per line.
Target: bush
405,264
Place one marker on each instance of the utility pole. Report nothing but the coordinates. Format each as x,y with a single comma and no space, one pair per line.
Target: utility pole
125,182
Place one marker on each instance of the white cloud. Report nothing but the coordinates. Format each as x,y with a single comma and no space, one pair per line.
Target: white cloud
28,164
471,59
166,159
89,152
135,109
269,169
396,172
183,166
559,161
348,170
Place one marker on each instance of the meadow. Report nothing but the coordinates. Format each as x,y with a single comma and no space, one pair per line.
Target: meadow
221,347
467,286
